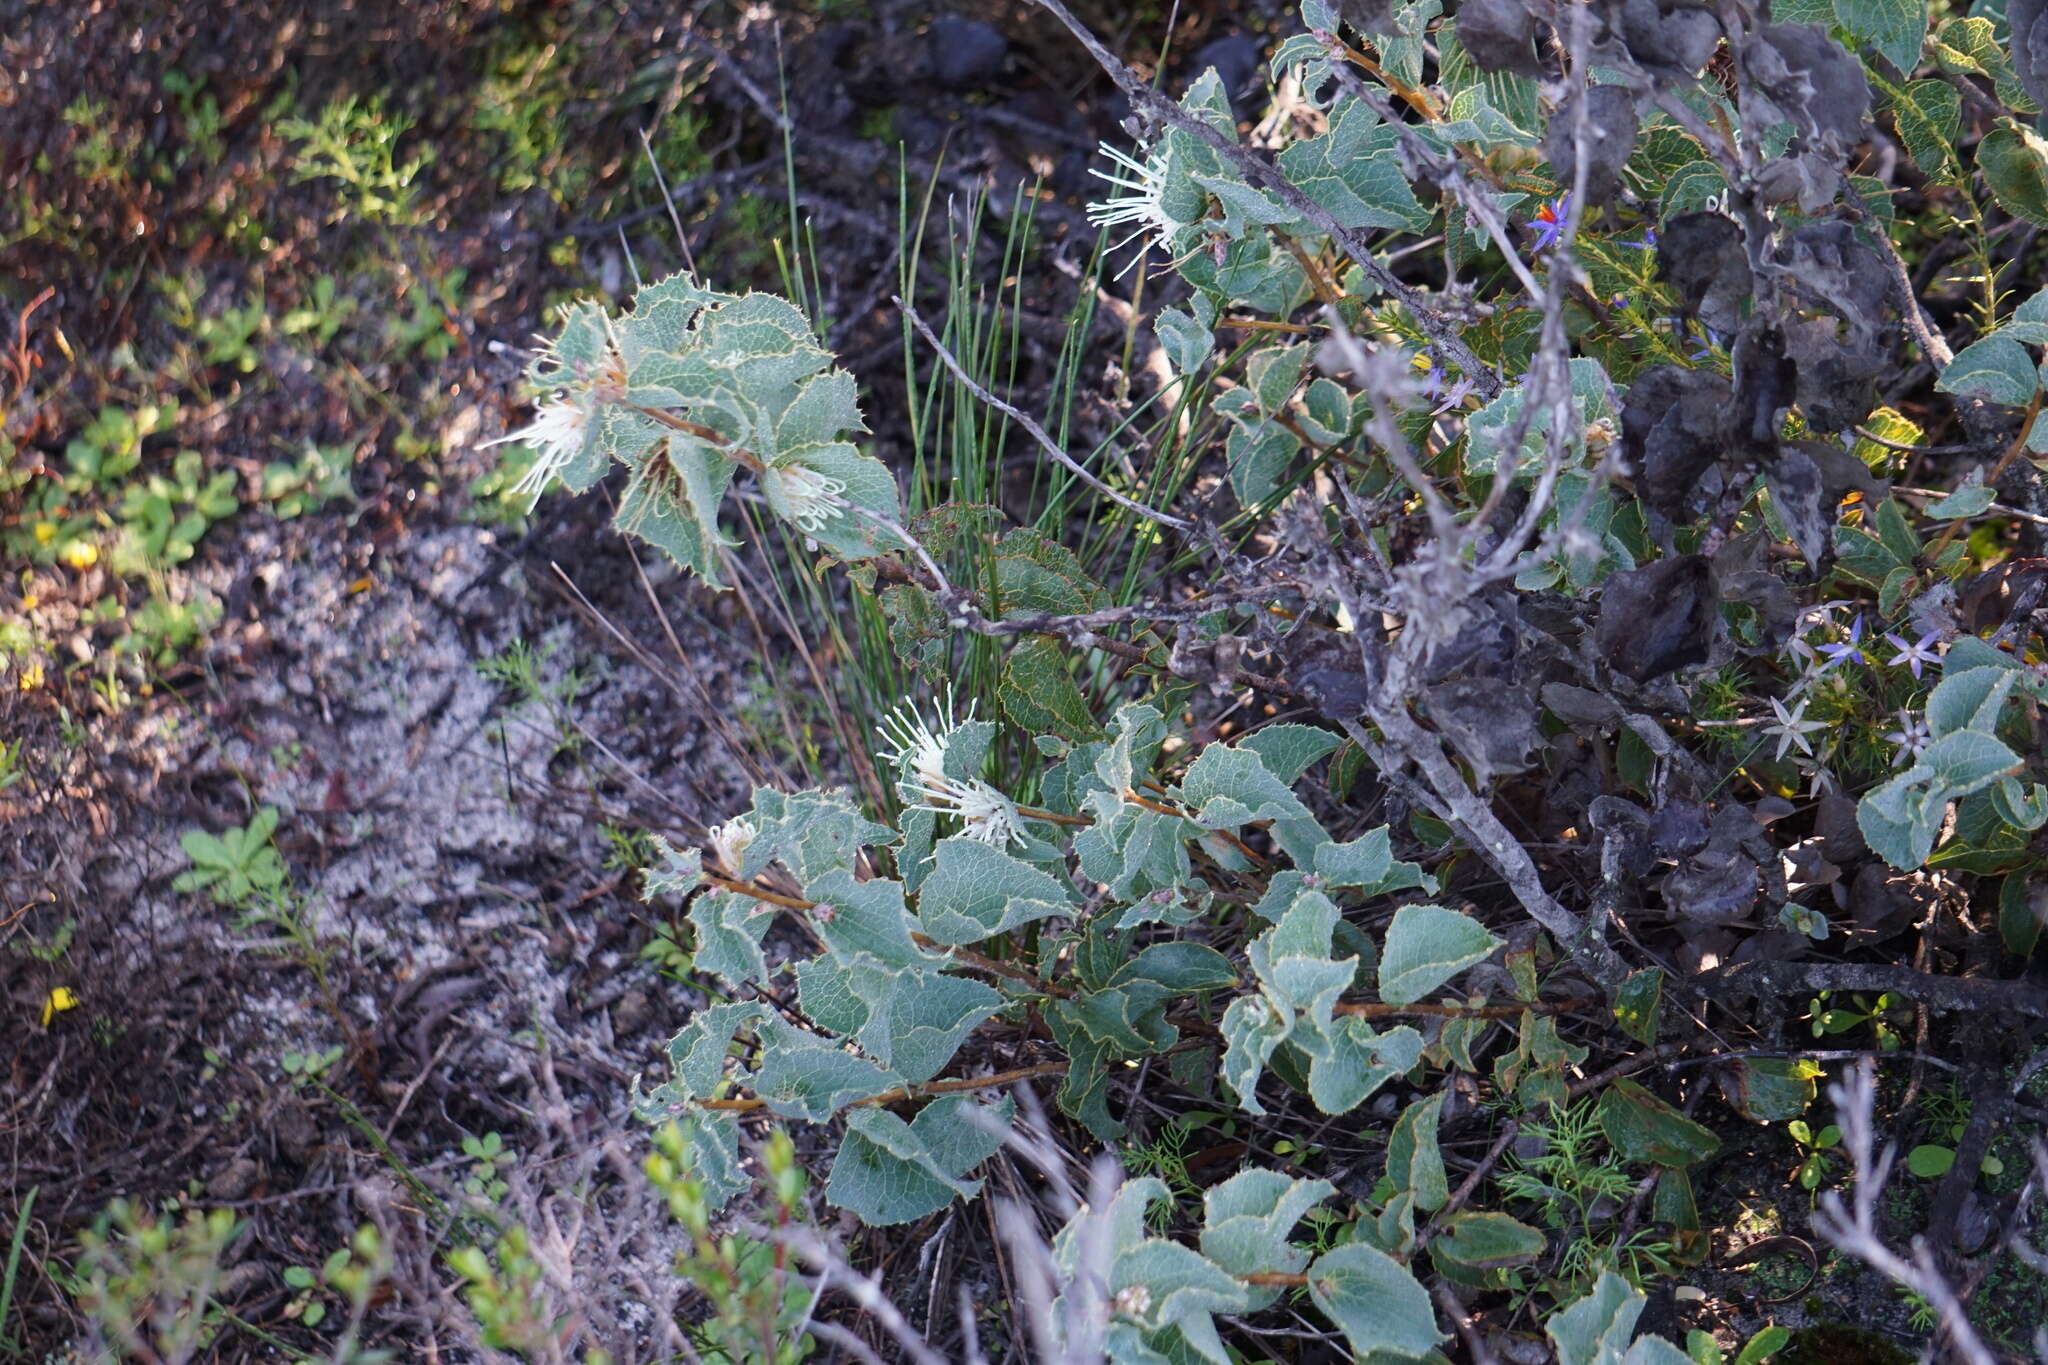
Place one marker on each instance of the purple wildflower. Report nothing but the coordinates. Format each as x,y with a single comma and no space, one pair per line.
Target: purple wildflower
1916,655
1549,222
1844,651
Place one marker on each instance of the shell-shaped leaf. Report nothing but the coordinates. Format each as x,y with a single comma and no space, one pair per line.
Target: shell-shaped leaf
1374,1300
1426,946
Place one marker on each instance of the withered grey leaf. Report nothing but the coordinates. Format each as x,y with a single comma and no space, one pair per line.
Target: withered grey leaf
1831,263
1500,35
1834,823
1678,828
1803,178
1935,610
1625,826
1581,708
1772,945
1338,693
1813,81
1484,644
1837,382
2029,22
1714,886
1368,16
1673,429
1610,138
1843,471
1492,724
1658,618
1765,385
1773,599
1798,497
1703,258
1883,904
1667,36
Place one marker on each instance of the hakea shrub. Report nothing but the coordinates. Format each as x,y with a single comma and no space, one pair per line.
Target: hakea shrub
1592,514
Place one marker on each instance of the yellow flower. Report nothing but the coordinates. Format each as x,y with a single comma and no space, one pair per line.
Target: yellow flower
61,999
46,531
32,677
80,554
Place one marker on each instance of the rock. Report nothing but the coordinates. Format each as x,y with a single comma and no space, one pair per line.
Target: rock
965,54
235,1180
633,1013
1240,62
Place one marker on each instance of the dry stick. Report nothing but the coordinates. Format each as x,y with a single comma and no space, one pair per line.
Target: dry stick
1853,1229
1444,340
1466,809
1037,432
908,1092
1968,993
965,956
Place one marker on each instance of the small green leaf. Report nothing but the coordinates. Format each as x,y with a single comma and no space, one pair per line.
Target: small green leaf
1968,699
885,1173
1996,369
976,890
1895,28
803,1076
1929,1161
2022,905
1426,946
1414,1162
1038,693
1597,1328
1488,1241
1642,1127
1764,1345
1969,499
1375,1301
1768,1089
1247,1219
2014,160
1637,1002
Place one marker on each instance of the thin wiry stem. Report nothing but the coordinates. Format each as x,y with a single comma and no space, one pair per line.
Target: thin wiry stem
1035,431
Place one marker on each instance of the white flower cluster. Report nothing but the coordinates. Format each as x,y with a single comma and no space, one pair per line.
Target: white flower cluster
918,749
556,434
1142,183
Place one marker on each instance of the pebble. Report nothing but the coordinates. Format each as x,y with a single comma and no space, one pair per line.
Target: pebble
965,53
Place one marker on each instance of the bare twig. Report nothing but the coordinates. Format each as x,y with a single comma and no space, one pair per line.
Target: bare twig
1853,1228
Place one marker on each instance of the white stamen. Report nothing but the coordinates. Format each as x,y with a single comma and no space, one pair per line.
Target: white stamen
919,753
556,434
803,495
1140,205
730,842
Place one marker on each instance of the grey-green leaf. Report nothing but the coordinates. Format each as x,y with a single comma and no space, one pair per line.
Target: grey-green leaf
1374,1300
1426,946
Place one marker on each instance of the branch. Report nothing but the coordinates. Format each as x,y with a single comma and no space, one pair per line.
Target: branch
1968,993
912,1092
1465,809
1853,1228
